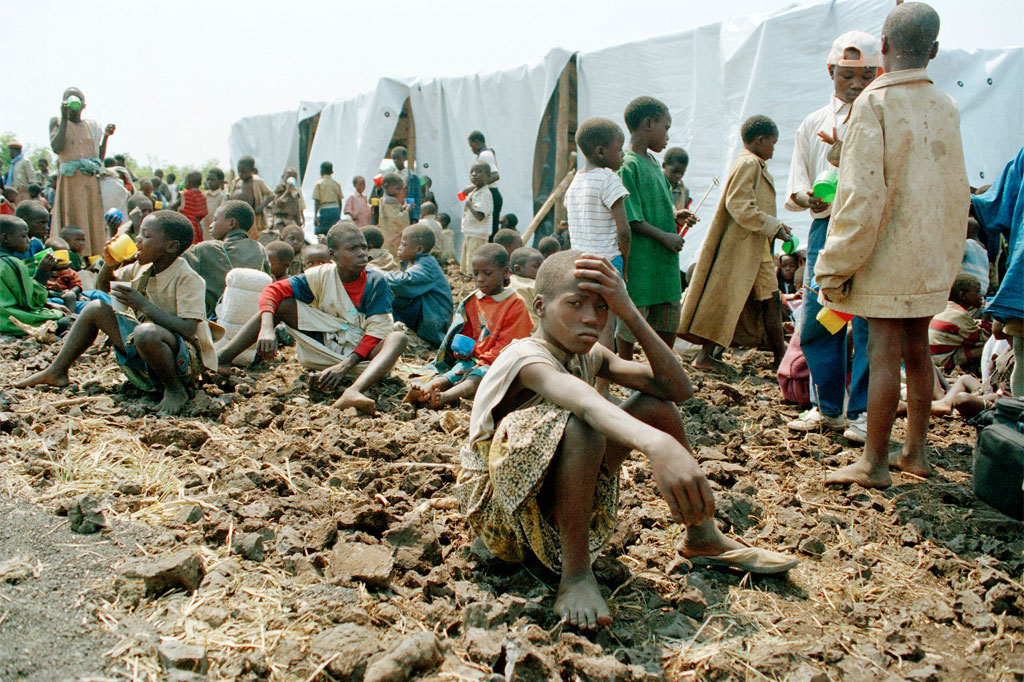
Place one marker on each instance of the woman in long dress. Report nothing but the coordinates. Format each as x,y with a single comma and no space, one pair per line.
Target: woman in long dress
80,146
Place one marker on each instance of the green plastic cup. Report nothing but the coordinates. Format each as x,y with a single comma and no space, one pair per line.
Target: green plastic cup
790,245
74,103
825,185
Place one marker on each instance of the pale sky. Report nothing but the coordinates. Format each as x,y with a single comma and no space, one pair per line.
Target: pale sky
173,77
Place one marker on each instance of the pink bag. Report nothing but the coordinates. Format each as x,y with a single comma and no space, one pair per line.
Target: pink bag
794,376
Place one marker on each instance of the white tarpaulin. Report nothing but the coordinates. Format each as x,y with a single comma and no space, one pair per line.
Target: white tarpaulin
271,139
714,77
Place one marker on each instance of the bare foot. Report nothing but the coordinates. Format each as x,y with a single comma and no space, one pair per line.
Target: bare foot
710,364
911,464
415,396
434,397
47,376
691,547
353,398
580,602
941,408
861,473
172,403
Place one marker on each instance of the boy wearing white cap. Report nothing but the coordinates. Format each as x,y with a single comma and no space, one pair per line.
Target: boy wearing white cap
853,63
897,235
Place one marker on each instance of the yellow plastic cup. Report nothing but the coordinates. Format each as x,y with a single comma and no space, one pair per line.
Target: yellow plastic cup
62,257
833,320
122,248
93,260
374,201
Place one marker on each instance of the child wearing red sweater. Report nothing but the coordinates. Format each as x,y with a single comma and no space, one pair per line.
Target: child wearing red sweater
193,203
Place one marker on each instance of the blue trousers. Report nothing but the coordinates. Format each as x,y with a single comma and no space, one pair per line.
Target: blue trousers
327,217
826,353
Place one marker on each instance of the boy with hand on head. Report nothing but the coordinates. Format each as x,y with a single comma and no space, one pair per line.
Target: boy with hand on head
229,247
524,262
735,262
423,297
253,190
192,203
380,257
476,216
314,255
168,341
652,273
895,242
280,254
492,316
340,316
215,196
356,207
394,212
540,468
22,293
327,198
955,337
674,166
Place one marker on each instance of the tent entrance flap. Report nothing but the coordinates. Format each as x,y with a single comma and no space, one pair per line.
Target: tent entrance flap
405,133
556,143
307,132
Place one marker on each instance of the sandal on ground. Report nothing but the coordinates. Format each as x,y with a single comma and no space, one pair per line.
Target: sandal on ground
748,559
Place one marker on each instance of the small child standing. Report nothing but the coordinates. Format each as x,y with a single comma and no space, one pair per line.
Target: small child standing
476,216
327,198
394,212
492,316
896,238
167,343
596,203
380,257
356,206
423,297
193,203
215,196
735,263
525,262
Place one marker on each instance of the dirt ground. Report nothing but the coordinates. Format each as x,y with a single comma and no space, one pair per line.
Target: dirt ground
329,547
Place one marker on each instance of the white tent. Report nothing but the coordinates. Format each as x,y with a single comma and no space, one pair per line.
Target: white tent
712,77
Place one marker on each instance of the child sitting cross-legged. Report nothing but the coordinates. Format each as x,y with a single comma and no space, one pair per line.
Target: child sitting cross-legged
380,257
524,262
340,316
540,468
423,297
168,341
492,316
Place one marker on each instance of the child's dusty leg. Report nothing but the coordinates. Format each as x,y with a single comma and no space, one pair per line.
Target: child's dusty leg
707,358
885,340
963,384
382,361
607,339
158,347
573,476
465,389
920,379
287,312
95,317
772,314
624,348
704,539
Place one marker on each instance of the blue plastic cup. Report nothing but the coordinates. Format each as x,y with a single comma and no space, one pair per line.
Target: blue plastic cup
463,345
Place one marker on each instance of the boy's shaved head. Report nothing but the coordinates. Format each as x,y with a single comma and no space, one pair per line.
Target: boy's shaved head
338,233
399,151
280,250
374,237
911,29
510,239
428,208
495,253
963,284
481,165
315,251
522,256
548,246
392,180
420,235
241,212
175,227
70,232
140,201
643,108
29,210
758,126
596,132
10,223
247,161
676,156
556,274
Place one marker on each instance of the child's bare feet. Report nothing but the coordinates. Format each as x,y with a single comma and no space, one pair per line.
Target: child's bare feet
707,363
415,396
353,398
434,396
580,602
916,464
47,376
862,473
173,402
941,408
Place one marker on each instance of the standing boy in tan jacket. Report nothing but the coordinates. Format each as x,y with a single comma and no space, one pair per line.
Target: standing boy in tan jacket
896,238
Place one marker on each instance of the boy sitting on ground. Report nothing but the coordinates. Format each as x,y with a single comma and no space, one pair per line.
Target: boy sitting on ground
380,257
280,254
340,316
955,337
423,297
169,341
540,469
492,316
314,255
524,263
22,292
38,220
229,247
446,246
394,212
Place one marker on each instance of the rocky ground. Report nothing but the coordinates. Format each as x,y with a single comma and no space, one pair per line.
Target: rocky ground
265,536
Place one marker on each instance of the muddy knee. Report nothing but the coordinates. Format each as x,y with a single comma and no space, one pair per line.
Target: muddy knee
580,439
